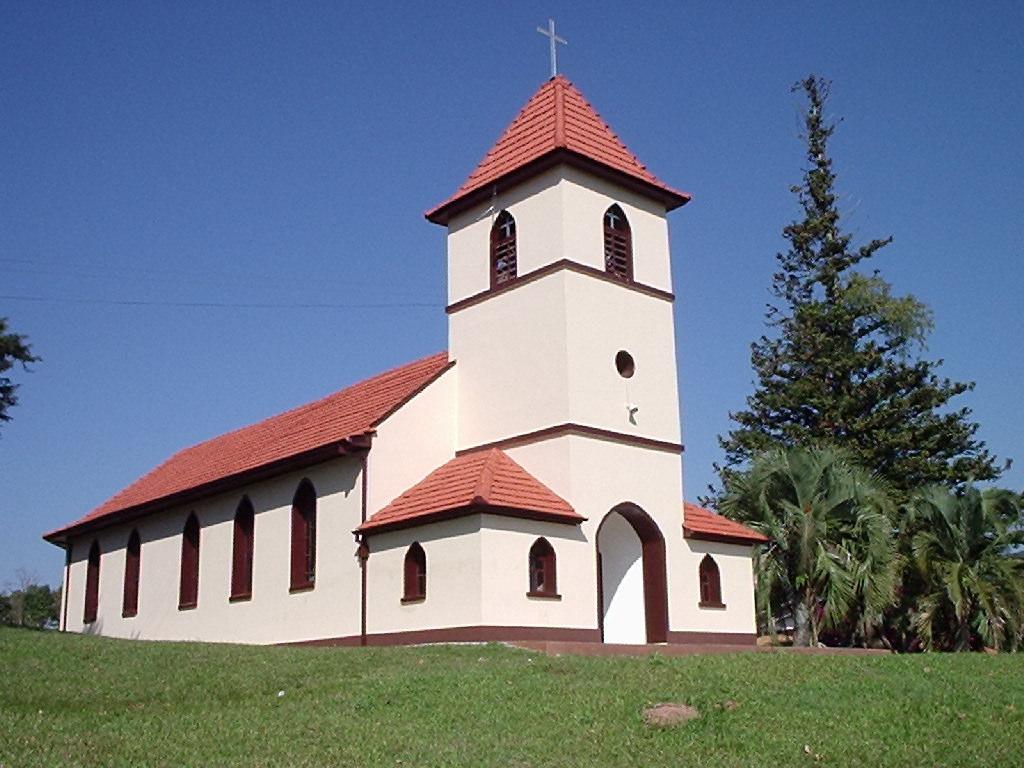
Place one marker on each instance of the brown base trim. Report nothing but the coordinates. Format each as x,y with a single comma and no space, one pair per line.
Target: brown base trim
549,269
711,638
477,634
561,430
493,634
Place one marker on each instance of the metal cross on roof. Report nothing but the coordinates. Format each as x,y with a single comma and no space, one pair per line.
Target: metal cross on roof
553,40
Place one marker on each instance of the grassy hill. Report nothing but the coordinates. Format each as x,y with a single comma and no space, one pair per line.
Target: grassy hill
69,700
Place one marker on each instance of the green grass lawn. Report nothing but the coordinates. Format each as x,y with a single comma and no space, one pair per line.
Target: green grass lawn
70,700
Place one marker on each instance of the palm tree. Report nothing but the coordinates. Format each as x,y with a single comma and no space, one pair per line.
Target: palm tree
831,559
964,550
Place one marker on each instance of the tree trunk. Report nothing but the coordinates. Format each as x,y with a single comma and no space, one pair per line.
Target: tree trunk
802,619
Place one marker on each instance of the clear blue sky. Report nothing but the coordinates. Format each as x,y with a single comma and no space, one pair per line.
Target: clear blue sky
283,154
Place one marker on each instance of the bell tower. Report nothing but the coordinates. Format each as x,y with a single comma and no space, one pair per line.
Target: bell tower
559,283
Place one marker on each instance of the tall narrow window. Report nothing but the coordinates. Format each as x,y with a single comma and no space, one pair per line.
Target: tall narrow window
618,244
304,537
92,584
132,561
415,574
503,249
710,584
241,551
188,592
542,570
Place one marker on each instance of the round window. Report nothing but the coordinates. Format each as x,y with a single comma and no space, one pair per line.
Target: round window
624,364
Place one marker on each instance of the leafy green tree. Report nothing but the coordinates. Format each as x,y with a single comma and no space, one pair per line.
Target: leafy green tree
831,561
964,554
13,349
837,364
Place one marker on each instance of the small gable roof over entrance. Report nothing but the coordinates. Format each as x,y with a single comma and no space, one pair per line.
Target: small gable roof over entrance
312,432
700,523
557,123
482,481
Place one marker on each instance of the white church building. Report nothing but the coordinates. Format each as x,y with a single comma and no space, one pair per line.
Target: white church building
525,485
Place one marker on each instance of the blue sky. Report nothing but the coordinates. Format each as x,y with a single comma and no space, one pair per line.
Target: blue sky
281,155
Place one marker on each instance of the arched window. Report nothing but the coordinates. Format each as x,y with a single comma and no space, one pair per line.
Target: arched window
188,591
618,244
503,249
241,551
132,559
92,584
304,537
415,574
542,569
710,584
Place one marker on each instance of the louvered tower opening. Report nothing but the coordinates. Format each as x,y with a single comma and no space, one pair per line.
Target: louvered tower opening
618,244
503,249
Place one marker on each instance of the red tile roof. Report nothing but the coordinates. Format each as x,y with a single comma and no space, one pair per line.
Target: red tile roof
700,523
557,118
482,479
324,423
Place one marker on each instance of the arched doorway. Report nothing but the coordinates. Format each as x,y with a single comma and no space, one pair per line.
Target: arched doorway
632,596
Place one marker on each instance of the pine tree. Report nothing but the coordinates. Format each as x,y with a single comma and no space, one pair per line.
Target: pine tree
838,362
13,349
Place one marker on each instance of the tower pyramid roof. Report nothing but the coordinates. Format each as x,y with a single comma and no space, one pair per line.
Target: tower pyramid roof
557,125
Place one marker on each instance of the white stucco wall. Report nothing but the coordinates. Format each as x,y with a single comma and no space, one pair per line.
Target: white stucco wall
273,615
452,549
412,442
736,571
602,319
506,544
559,215
511,362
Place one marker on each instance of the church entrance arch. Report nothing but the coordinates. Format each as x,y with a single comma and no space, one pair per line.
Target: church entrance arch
632,593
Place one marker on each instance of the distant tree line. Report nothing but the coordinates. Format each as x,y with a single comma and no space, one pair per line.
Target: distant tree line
30,604
852,459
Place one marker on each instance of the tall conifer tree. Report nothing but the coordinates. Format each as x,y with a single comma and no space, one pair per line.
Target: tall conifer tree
840,362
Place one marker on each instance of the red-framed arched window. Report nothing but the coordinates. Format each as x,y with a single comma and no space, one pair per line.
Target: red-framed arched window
132,563
618,244
415,579
92,584
543,579
710,583
188,589
241,550
303,569
503,249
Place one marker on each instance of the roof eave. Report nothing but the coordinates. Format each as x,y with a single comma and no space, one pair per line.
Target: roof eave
354,444
444,212
370,528
724,538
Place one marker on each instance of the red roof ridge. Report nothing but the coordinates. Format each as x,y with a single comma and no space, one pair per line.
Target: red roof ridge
486,479
557,118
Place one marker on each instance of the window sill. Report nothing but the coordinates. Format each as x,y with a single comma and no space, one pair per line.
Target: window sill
411,600
295,588
129,615
187,606
717,606
241,597
545,595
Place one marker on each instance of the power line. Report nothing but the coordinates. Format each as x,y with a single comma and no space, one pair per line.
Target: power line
222,304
